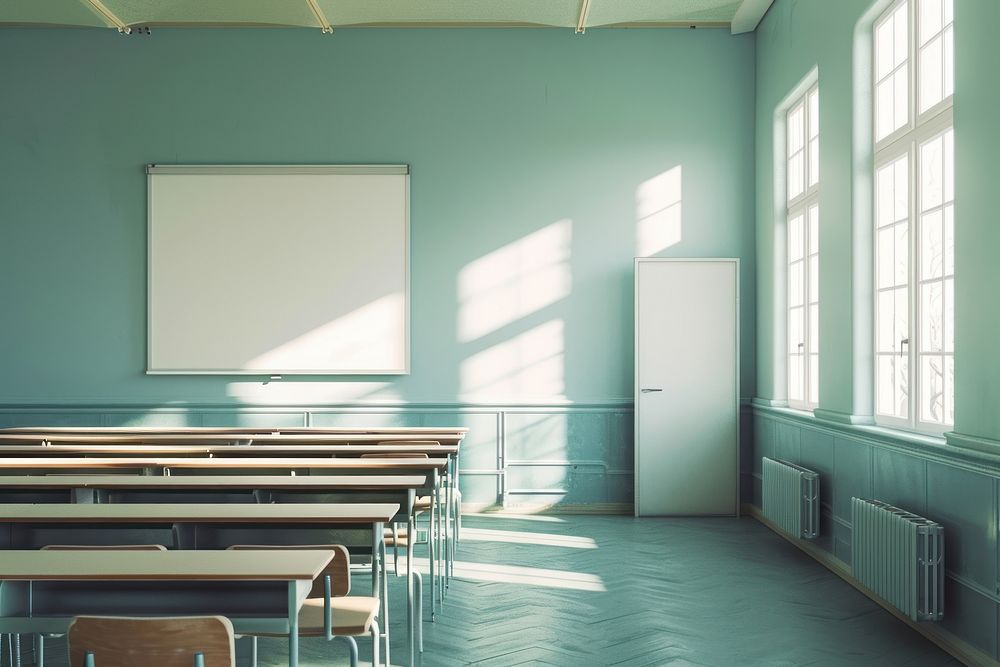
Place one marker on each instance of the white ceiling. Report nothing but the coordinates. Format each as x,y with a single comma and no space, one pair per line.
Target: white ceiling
739,15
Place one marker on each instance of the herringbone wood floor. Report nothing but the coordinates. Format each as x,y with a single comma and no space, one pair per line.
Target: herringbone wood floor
582,591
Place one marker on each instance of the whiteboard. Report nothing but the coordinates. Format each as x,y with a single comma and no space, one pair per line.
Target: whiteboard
258,269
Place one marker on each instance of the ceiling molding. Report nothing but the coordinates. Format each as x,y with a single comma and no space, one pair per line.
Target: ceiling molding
581,21
109,16
748,15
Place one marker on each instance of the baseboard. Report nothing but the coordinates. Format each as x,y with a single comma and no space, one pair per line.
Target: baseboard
958,648
548,508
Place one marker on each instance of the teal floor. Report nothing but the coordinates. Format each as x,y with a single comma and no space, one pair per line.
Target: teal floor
582,591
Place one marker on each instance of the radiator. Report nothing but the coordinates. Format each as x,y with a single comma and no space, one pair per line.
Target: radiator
900,557
791,498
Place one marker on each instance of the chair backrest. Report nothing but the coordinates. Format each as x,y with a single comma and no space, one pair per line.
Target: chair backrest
395,455
164,642
339,569
102,547
410,442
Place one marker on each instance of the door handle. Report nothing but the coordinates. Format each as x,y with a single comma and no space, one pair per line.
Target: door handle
646,391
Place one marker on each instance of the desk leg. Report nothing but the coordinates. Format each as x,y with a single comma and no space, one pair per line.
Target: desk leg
385,597
448,536
431,543
378,546
293,625
410,537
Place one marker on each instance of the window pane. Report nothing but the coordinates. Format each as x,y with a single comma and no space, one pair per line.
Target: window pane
795,238
949,240
901,188
796,130
901,391
949,315
901,274
795,176
814,279
885,385
796,343
883,109
885,269
931,317
930,19
883,49
949,165
931,241
814,328
900,97
795,380
901,33
814,379
949,390
813,162
795,284
885,213
949,62
901,324
931,71
814,114
813,230
949,11
932,389
886,320
931,173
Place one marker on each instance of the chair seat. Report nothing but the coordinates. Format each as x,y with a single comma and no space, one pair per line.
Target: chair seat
352,616
422,504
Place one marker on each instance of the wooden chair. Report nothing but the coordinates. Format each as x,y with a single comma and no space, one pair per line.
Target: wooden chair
393,537
110,641
329,611
40,645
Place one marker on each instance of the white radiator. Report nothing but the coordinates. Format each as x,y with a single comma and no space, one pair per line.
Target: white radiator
900,557
791,498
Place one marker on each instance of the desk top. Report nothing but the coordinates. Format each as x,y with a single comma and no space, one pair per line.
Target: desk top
220,482
227,438
406,431
286,513
92,462
64,449
271,565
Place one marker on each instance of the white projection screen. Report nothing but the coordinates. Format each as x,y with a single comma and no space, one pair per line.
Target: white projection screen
258,269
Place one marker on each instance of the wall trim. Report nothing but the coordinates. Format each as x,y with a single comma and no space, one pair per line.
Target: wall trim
961,650
838,417
913,444
973,442
768,402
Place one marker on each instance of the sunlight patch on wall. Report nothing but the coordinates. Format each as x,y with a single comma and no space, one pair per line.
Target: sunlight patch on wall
527,366
658,213
361,339
515,280
291,392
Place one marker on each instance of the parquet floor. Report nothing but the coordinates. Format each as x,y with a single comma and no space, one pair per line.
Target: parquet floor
589,591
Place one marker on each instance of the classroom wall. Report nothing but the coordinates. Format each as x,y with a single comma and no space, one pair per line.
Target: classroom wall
542,163
954,481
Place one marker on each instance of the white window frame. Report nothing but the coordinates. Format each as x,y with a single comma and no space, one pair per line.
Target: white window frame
801,206
906,141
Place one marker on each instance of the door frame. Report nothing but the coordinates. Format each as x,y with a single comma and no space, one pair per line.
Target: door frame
635,371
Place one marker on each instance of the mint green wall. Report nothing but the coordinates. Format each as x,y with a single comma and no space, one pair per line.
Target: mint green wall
798,35
506,131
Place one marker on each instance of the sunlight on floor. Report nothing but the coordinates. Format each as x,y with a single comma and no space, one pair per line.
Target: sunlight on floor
528,576
522,537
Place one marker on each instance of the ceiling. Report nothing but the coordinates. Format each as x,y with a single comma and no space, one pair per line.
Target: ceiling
124,15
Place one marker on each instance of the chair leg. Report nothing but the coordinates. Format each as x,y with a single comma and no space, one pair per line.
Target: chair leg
352,646
418,601
376,633
253,651
395,547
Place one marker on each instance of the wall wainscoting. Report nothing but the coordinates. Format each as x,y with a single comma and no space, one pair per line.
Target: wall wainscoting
956,487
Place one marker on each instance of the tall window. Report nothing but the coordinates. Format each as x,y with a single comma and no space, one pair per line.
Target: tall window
802,169
914,221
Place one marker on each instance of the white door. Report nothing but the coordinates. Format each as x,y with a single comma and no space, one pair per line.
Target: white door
687,374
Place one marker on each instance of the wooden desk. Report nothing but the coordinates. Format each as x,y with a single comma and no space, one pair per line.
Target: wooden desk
249,463
296,569
215,526
147,449
224,438
225,482
411,432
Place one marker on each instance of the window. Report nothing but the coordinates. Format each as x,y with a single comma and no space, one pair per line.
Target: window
802,186
914,220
